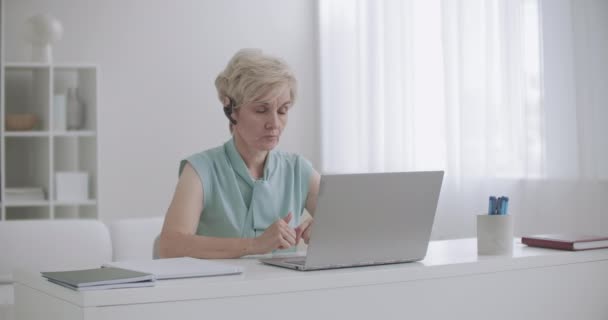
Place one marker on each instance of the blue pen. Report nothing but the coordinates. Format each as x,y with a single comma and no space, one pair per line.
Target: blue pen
492,205
498,206
505,204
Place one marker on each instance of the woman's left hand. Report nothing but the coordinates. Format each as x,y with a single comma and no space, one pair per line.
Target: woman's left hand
303,231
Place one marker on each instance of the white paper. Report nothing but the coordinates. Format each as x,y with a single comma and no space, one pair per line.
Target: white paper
178,267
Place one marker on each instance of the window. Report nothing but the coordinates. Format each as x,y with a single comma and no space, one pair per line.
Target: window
430,84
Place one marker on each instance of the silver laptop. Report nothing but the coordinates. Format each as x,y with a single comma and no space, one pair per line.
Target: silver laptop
370,219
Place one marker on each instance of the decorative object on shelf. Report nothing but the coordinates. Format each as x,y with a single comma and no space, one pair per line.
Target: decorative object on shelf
21,121
72,186
75,110
42,30
25,194
59,112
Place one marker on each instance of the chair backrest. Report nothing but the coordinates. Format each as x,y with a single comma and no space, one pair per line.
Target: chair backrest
135,238
51,245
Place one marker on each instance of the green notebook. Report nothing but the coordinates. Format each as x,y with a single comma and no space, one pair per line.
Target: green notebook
100,278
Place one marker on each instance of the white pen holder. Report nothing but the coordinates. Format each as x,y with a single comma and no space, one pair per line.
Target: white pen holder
494,234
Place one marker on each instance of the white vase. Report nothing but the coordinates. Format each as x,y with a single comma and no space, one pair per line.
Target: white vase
75,110
59,112
42,53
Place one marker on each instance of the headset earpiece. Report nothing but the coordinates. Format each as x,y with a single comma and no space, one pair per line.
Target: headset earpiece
229,109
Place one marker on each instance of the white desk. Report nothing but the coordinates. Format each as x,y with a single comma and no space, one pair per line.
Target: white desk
451,283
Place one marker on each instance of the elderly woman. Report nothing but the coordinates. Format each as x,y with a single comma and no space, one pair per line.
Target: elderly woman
244,197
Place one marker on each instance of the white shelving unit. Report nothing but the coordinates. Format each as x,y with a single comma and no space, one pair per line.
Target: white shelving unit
31,158
1,108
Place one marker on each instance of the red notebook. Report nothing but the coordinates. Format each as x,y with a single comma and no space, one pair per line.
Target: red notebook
571,242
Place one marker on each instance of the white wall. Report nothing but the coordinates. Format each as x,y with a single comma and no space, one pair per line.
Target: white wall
158,61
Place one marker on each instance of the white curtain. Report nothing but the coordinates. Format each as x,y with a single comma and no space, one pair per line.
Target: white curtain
430,84
455,85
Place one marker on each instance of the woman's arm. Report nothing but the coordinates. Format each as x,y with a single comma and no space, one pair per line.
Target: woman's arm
178,238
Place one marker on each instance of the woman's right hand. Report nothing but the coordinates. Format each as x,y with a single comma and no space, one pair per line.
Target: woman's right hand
278,236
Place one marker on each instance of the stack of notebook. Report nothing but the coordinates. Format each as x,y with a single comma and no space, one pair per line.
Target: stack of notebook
100,278
24,194
174,268
139,273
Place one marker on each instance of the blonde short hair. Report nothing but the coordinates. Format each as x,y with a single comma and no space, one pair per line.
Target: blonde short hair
251,74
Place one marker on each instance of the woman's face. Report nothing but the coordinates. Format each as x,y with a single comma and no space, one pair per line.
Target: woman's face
261,122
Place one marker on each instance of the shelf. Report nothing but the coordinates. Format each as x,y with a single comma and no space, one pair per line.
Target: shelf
26,65
74,66
27,212
76,203
26,133
37,203
39,65
79,133
27,90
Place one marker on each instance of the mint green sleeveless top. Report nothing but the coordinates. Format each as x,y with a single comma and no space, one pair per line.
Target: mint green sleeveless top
236,205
